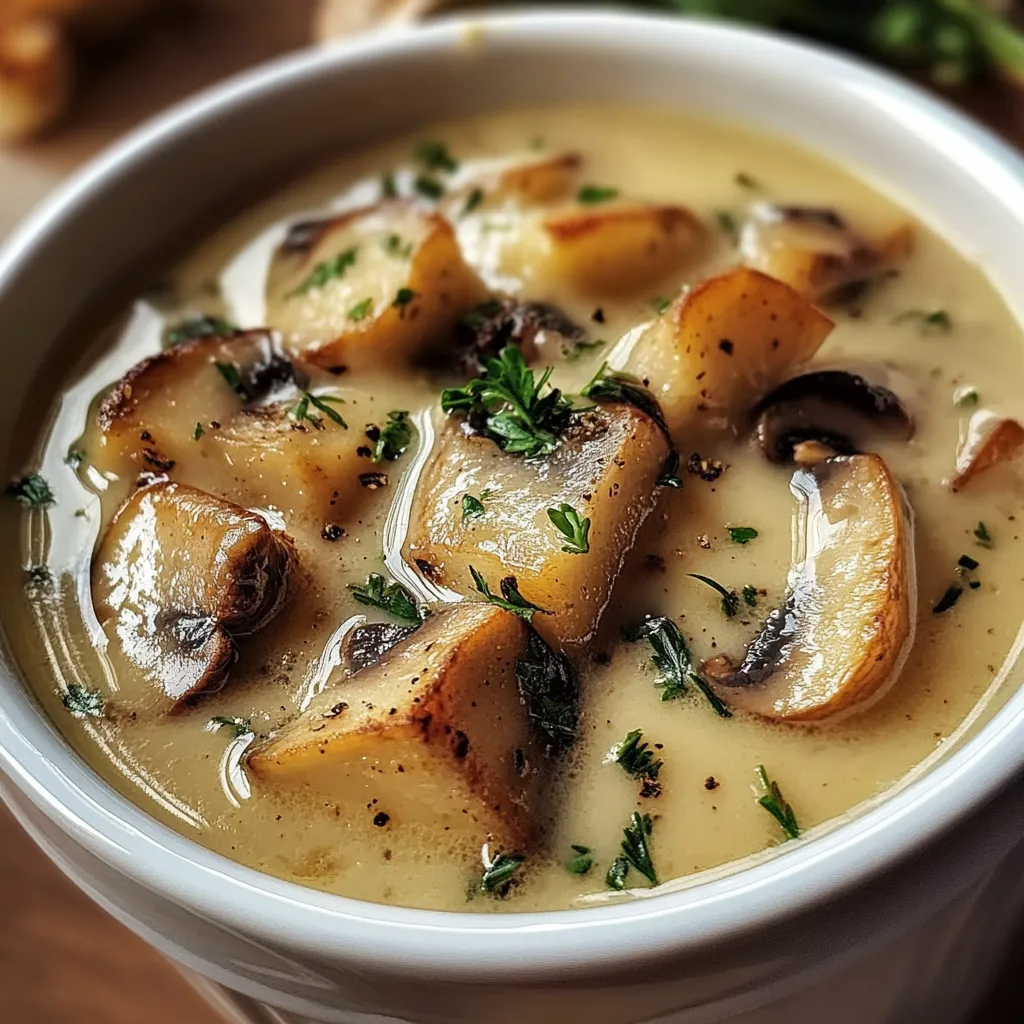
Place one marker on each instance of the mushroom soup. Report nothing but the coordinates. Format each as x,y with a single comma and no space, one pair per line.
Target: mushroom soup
543,508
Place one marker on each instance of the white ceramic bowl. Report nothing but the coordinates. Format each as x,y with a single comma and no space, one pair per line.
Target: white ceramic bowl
881,919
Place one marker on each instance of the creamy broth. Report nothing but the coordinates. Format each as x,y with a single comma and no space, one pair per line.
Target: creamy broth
934,330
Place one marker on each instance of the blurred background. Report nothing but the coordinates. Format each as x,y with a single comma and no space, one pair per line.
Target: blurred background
75,74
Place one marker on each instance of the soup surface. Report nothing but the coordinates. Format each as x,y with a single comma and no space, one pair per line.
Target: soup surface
317,566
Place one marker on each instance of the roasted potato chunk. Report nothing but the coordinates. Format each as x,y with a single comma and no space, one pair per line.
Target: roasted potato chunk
814,250
990,441
179,576
436,735
369,287
35,77
619,249
723,345
147,421
606,467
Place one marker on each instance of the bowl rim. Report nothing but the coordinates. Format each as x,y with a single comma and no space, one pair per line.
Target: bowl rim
540,945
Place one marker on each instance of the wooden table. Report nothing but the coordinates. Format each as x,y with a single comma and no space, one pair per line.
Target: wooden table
62,959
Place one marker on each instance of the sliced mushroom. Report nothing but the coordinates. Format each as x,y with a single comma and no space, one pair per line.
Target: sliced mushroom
531,326
178,578
815,251
841,637
828,412
367,643
989,441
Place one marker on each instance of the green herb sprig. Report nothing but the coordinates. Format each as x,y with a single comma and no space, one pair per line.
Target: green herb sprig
636,847
614,386
235,725
639,762
31,490
393,438
301,411
392,598
582,862
548,688
730,599
323,273
511,600
498,871
772,800
83,702
196,327
573,527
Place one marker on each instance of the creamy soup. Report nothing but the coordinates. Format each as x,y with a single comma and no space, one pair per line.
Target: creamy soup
526,514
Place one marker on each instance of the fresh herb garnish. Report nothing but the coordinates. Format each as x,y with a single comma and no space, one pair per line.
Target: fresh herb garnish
636,848
661,305
402,298
198,431
83,702
429,188
361,310
948,599
388,185
774,803
574,527
582,862
75,457
511,600
435,157
726,223
548,688
393,438
638,762
616,877
730,599
589,195
237,726
393,598
473,200
967,397
498,872
514,409
301,411
750,596
670,472
741,534
31,490
233,379
614,386
196,327
329,270
982,536
672,658
581,346
473,508
395,246
929,321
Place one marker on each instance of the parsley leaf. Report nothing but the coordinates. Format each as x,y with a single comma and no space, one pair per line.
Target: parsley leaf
775,804
613,386
580,346
572,526
473,200
635,846
233,379
388,186
198,431
361,310
726,223
238,726
730,599
498,873
638,762
981,534
395,246
672,658
473,508
393,598
301,411
513,407
31,490
83,702
616,877
966,397
196,327
429,188
750,596
589,195
393,438
548,688
661,305
511,600
325,272
929,322
436,157
741,534
582,862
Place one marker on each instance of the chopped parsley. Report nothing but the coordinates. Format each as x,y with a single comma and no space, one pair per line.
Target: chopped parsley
31,490
436,157
237,726
726,223
614,386
581,346
589,195
393,438
741,534
402,298
523,416
388,185
429,188
982,536
636,848
198,431
638,762
928,321
750,596
233,379
196,327
966,397
75,457
392,598
497,876
673,660
301,411
83,702
948,599
548,688
326,271
772,800
582,862
473,508
616,877
573,527
394,245
473,200
661,305
730,599
361,310
511,600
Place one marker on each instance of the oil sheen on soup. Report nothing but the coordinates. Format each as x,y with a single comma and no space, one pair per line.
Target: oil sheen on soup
529,512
